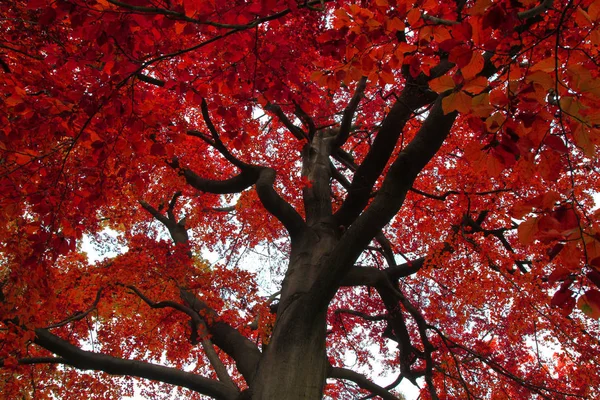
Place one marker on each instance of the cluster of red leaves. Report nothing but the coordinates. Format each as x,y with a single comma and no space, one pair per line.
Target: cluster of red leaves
97,99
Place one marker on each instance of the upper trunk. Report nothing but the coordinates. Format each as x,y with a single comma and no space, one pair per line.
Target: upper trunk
294,364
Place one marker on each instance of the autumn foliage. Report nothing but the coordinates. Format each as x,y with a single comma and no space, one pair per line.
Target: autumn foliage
286,194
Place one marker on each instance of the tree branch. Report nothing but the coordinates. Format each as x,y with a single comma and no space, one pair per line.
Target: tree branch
544,6
150,80
385,205
212,355
263,178
177,229
78,316
237,184
245,353
88,360
349,112
306,119
361,381
276,205
295,130
4,66
411,99
218,144
445,195
379,317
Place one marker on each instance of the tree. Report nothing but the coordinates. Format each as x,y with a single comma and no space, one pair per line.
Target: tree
417,179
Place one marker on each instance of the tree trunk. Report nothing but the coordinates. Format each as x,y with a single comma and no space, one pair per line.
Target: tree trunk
294,364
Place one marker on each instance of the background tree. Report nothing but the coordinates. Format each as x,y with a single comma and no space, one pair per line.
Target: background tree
415,178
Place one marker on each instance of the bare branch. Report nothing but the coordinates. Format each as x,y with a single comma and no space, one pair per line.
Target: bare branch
438,21
245,353
349,112
445,195
295,130
213,357
412,98
218,144
80,315
237,184
177,229
276,205
385,205
306,119
263,178
544,6
379,317
361,381
38,360
88,360
150,80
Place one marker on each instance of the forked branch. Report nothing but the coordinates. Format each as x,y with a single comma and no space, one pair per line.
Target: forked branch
245,353
88,360
207,345
361,381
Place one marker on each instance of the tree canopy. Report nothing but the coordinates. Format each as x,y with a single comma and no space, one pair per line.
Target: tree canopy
392,183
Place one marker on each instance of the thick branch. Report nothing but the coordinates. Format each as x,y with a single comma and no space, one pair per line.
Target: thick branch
212,355
371,276
236,184
349,112
361,381
400,271
264,178
85,360
306,119
245,353
218,144
398,327
295,130
386,203
150,80
411,99
177,229
276,205
544,6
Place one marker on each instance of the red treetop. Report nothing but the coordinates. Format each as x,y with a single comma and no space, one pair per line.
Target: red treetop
382,182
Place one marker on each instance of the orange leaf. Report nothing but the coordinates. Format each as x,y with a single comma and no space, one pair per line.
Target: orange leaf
546,65
582,139
442,84
527,230
457,101
474,66
589,303
542,78
476,86
413,16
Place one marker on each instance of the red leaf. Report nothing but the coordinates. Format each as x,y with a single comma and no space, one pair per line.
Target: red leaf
594,277
460,55
158,149
589,303
561,297
556,143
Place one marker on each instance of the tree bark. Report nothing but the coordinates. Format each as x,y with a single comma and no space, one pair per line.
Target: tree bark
294,365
